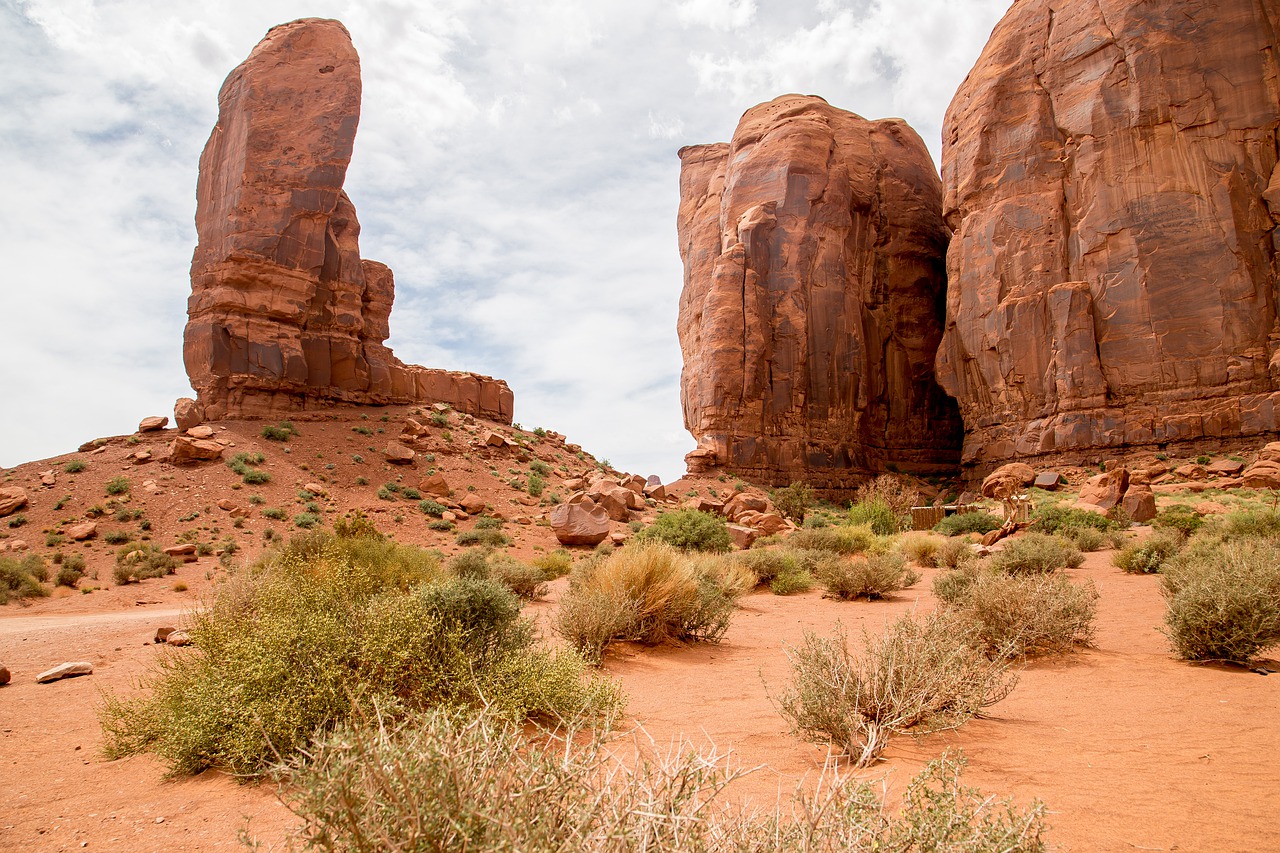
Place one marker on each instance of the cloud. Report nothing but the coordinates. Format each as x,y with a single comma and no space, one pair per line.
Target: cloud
515,166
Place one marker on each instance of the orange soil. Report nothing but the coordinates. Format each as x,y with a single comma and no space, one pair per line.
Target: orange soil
1130,749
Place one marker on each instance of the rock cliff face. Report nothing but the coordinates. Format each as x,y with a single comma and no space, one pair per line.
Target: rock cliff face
813,249
284,314
1111,178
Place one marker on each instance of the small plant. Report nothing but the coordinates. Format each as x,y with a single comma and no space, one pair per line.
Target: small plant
1203,460
282,431
306,520
257,500
75,466
793,501
954,554
362,481
440,419
273,513
116,537
441,525
872,577
1052,519
536,485
139,560
357,458
485,537
1180,518
922,548
1036,552
430,507
920,675
555,564
118,486
63,501
362,430
53,539
17,520
789,583
1223,599
689,530
1021,615
489,523
386,494
837,539
22,578
410,494
968,522
1149,556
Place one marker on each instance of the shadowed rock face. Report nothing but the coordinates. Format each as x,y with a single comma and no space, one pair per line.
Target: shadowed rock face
284,314
813,249
1111,177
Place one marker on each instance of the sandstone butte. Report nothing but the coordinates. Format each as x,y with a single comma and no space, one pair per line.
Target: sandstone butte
813,248
284,315
1111,179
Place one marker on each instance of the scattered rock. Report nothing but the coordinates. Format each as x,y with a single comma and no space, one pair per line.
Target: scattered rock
743,536
397,454
580,523
1048,480
1140,503
494,439
178,638
154,423
226,504
413,429
140,457
185,450
82,531
186,413
472,504
315,488
653,488
4,675
186,552
435,485
1263,474
743,502
162,634
66,670
12,499
1191,472
1105,490
16,545
612,498
201,431
1225,468
48,478
708,505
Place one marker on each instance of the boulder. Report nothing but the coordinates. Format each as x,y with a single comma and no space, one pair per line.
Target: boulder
202,431
316,488
1111,279
65,670
708,505
1105,490
186,552
613,499
397,454
162,634
770,523
742,502
140,457
435,485
1191,472
634,482
178,638
472,504
187,414
495,439
413,429
185,450
82,531
151,424
579,523
1270,452
743,536
1007,480
814,249
4,675
1139,502
284,314
1264,474
1048,480
50,477
12,499
653,488
1225,468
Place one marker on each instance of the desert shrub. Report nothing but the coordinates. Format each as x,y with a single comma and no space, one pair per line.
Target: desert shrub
489,523
443,781
1036,552
1223,599
954,554
1052,518
486,537
1023,615
838,539
793,502
979,522
471,563
787,583
920,675
878,515
1148,556
352,525
951,587
69,575
75,562
327,628
75,466
871,577
1264,522
555,564
17,520
274,513
430,507
116,537
1087,539
922,548
527,581
1179,517
306,520
440,524
440,419
648,592
386,494
255,477
139,561
892,491
536,485
767,563
689,530
117,486
282,431
22,578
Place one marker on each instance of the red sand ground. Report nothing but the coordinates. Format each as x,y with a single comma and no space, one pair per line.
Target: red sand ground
1130,749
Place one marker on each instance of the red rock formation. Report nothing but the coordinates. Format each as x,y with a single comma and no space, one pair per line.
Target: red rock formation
284,315
813,277
1111,177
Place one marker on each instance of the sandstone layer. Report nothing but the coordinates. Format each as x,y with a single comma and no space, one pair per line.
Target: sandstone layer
284,314
813,248
1111,179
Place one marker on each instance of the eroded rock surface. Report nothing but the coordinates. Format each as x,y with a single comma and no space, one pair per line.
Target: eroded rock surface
284,314
813,249
1111,177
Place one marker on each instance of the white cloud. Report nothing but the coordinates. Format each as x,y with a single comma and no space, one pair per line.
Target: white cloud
515,166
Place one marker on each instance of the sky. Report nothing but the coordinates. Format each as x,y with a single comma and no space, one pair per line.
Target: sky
515,166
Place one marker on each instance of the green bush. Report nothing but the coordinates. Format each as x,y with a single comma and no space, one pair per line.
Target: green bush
22,578
116,537
1179,517
1148,556
878,515
282,431
274,513
488,523
1223,599
1264,522
872,577
922,548
837,539
793,502
17,520
254,477
689,530
139,561
75,466
440,524
1036,552
69,574
354,524
787,583
306,520
555,564
1087,539
920,675
444,781
648,592
118,486
1051,519
954,554
328,628
486,537
1021,615
979,522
